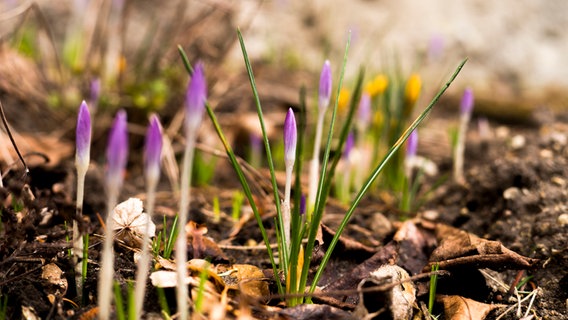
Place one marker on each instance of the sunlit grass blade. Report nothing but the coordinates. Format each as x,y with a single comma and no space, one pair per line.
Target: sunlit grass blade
171,239
394,148
433,285
283,254
240,175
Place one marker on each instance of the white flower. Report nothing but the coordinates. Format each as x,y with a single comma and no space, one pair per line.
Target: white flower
130,221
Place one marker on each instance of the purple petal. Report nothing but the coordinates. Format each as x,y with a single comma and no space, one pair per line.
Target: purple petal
117,149
364,112
83,135
153,147
302,204
412,144
195,98
349,143
325,85
466,105
290,136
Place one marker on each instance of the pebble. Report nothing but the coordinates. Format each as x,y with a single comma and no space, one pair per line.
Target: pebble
546,154
431,215
511,193
518,142
563,219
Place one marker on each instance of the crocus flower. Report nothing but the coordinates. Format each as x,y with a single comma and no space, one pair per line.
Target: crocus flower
83,137
303,204
364,111
412,89
325,86
412,144
349,143
117,150
196,96
290,138
153,148
377,86
117,155
343,101
466,105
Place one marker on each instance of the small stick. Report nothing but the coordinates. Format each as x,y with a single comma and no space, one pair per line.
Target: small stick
5,122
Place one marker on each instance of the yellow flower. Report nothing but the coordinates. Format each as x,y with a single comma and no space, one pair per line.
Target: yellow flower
344,96
377,86
412,90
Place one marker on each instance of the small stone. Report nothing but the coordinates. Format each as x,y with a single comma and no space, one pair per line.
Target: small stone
502,132
511,193
431,215
563,219
380,225
518,142
559,181
546,154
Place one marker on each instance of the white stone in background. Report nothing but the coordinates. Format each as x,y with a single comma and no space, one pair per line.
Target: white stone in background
520,44
563,219
518,142
511,193
502,132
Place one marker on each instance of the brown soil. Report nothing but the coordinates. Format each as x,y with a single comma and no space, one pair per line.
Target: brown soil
515,193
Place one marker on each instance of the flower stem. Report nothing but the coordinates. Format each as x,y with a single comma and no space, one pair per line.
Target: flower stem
181,242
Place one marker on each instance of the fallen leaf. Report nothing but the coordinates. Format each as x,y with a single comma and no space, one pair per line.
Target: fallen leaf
459,248
394,303
130,222
247,279
460,308
316,312
55,282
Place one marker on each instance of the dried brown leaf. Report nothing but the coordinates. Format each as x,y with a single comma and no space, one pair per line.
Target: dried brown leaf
460,308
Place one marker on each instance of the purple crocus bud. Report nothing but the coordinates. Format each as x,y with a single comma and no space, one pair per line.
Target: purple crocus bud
195,99
349,143
466,105
302,204
153,148
83,136
325,86
364,112
117,150
290,138
412,144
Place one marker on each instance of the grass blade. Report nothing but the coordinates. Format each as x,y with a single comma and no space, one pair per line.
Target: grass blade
284,252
